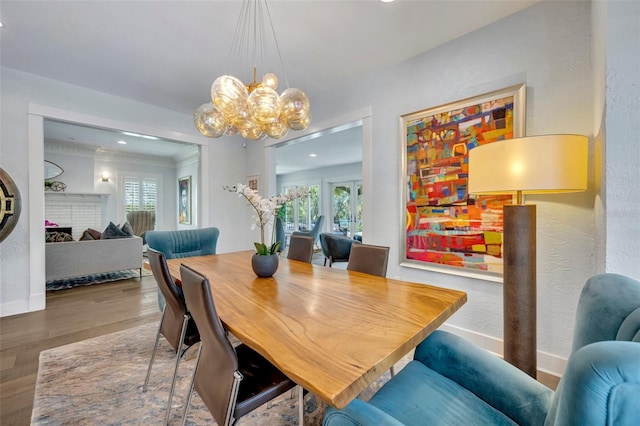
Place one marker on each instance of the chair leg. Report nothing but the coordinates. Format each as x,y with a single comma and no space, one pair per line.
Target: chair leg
153,354
392,371
183,332
300,405
190,392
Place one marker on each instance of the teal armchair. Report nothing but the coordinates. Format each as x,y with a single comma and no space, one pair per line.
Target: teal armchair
183,243
453,382
336,248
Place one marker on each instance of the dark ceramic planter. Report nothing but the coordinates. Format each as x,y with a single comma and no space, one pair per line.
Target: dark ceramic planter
264,266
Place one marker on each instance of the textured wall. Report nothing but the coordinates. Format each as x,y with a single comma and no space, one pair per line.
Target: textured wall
547,47
622,123
18,91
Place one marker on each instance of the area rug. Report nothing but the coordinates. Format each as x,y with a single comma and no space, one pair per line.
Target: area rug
99,382
66,283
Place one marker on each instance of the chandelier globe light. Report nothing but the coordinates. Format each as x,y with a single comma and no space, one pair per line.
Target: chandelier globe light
255,110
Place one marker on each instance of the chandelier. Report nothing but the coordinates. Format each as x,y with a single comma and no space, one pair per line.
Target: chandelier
255,110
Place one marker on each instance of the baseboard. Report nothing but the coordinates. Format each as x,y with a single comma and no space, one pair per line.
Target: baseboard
14,308
548,363
36,303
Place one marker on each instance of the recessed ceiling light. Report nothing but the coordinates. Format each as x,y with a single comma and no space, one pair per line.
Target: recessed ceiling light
313,155
138,135
122,142
386,1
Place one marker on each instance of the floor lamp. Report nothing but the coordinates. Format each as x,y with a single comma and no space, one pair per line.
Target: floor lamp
529,165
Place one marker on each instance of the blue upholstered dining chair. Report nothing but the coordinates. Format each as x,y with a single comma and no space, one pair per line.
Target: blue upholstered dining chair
280,235
315,231
183,243
453,382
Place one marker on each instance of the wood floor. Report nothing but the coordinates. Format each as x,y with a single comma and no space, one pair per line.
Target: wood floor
71,316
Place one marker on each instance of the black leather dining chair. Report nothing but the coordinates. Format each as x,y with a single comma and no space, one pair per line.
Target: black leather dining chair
176,324
369,259
231,382
300,248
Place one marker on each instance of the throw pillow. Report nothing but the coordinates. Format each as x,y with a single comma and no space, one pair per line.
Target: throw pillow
127,229
112,232
86,236
57,237
94,233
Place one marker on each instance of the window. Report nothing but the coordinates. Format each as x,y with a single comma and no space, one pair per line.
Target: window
301,214
140,193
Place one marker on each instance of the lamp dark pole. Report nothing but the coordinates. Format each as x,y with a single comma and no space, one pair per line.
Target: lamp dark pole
531,165
519,289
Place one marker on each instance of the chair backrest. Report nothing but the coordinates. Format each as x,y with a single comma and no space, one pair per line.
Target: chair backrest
184,243
175,306
317,228
336,247
141,221
608,309
601,383
300,248
280,236
215,378
369,259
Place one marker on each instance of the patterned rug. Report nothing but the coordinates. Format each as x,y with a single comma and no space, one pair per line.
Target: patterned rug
99,382
66,283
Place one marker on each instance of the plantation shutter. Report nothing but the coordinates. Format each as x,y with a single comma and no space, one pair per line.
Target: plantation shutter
140,194
149,195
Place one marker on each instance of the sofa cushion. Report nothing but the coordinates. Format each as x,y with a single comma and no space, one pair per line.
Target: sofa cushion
112,232
404,396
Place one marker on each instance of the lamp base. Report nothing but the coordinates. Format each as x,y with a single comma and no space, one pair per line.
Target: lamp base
520,287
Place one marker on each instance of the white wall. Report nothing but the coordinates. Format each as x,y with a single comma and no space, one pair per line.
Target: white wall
22,252
547,47
621,168
119,166
187,167
83,169
78,170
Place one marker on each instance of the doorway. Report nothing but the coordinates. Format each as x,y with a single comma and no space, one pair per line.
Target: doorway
346,207
37,115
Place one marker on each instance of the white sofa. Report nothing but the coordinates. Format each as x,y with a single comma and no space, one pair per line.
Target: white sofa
79,258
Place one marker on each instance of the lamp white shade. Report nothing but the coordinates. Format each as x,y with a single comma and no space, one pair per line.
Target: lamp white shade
530,165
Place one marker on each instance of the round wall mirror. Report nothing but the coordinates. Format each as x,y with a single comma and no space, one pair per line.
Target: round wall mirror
51,170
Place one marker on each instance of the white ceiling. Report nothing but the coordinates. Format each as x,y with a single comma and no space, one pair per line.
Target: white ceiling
108,140
167,53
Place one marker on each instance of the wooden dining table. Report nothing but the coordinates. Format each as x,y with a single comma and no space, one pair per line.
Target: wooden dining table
332,331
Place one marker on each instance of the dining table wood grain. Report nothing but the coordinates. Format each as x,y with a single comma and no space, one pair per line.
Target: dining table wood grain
330,330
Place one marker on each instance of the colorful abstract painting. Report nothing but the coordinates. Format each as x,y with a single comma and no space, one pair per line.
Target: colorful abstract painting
445,226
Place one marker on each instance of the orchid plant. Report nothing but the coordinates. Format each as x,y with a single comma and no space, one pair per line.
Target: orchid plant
265,212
